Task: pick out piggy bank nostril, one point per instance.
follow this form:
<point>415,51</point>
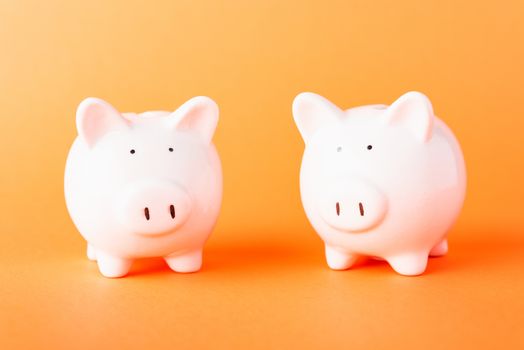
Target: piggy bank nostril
<point>172,210</point>
<point>361,208</point>
<point>146,213</point>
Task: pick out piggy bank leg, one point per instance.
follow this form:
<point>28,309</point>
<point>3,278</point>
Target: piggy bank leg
<point>338,260</point>
<point>186,262</point>
<point>112,266</point>
<point>409,264</point>
<point>440,249</point>
<point>91,253</point>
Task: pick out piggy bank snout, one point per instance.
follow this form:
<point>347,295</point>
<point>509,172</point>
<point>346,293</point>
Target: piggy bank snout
<point>154,208</point>
<point>353,206</point>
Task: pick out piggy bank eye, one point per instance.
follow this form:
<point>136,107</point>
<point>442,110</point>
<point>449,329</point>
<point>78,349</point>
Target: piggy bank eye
<point>132,151</point>
<point>339,149</point>
<point>170,149</point>
<point>369,147</point>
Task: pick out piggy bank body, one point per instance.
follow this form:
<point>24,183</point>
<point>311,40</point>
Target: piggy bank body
<point>379,181</point>
<point>147,185</point>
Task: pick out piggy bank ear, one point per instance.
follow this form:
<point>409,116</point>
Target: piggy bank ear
<point>414,111</point>
<point>95,118</point>
<point>199,115</point>
<point>311,112</point>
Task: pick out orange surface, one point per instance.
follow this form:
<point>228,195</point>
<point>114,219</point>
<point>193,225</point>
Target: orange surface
<point>264,283</point>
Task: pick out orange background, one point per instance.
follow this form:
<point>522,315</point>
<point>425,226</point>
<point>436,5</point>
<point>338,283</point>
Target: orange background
<point>264,283</point>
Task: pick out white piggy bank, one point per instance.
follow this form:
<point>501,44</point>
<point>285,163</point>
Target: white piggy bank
<point>144,185</point>
<point>379,181</point>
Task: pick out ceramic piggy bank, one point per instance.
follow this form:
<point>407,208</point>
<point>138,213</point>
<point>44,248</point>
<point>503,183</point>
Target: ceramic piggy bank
<point>379,181</point>
<point>144,185</point>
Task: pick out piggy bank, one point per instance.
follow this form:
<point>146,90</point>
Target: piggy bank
<point>379,181</point>
<point>144,185</point>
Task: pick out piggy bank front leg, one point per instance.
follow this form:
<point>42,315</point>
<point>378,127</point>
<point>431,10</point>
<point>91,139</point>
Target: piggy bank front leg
<point>440,249</point>
<point>186,262</point>
<point>409,264</point>
<point>338,260</point>
<point>112,266</point>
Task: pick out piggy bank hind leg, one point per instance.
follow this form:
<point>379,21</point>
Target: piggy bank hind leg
<point>91,252</point>
<point>112,266</point>
<point>440,249</point>
<point>410,264</point>
<point>338,260</point>
<point>185,263</point>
